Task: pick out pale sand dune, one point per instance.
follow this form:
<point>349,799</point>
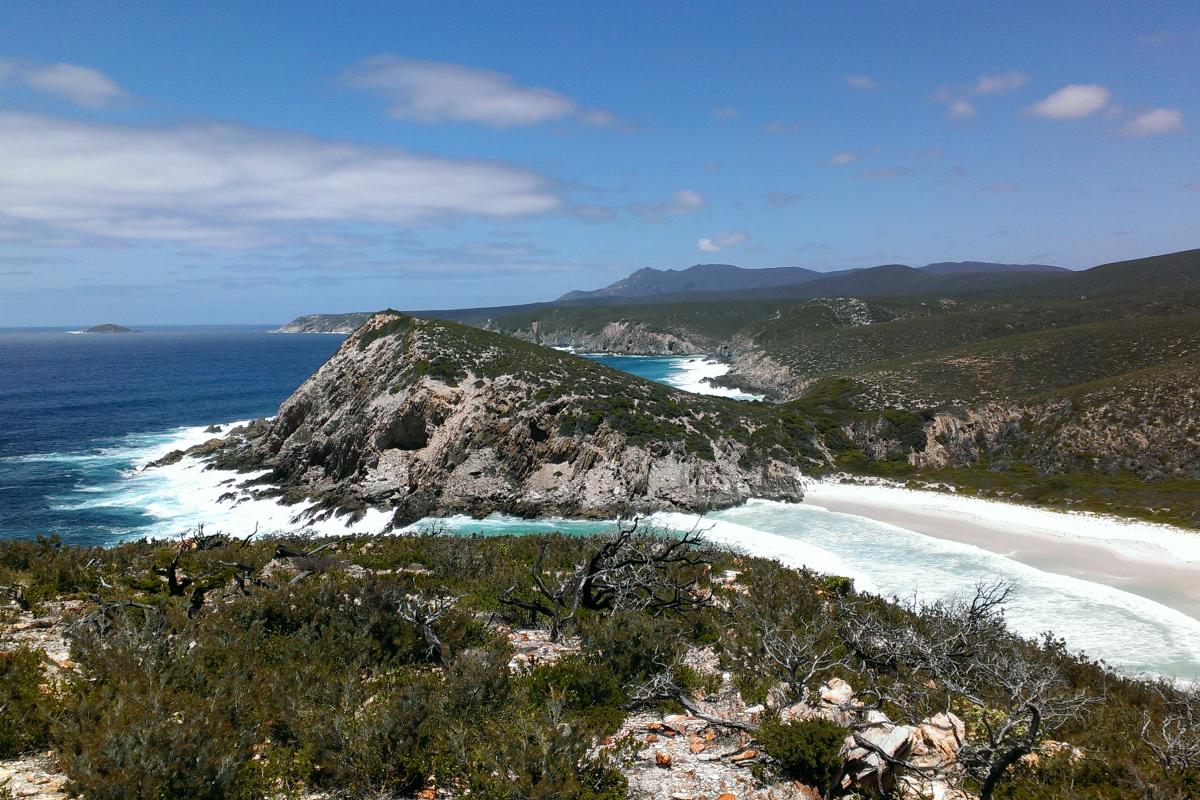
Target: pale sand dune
<point>1158,562</point>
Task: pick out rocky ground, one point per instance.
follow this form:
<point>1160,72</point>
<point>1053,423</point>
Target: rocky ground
<point>36,776</point>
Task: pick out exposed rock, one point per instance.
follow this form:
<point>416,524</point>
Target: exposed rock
<point>619,336</point>
<point>325,323</point>
<point>33,777</point>
<point>429,418</point>
<point>937,739</point>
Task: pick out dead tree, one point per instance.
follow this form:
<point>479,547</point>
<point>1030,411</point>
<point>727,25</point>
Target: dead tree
<point>1021,699</point>
<point>627,571</point>
<point>1173,737</point>
<point>959,652</point>
<point>798,653</point>
<point>663,687</point>
<point>422,612</point>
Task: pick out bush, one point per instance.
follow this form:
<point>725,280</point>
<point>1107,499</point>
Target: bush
<point>585,688</point>
<point>806,750</point>
<point>26,709</point>
<point>539,756</point>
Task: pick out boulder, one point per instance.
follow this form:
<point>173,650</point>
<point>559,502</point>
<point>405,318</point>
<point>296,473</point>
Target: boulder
<point>938,738</point>
<point>836,692</point>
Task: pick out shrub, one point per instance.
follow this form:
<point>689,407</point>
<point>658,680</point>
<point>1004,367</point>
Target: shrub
<point>389,739</point>
<point>26,708</point>
<point>585,688</point>
<point>806,750</point>
<point>539,756</point>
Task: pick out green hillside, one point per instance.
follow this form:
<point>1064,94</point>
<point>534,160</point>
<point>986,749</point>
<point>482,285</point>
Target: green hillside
<point>1074,389</point>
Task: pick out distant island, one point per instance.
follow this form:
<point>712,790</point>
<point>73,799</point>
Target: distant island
<point>108,327</point>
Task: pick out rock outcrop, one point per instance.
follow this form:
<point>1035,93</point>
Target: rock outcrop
<point>325,323</point>
<point>424,417</point>
<point>619,336</point>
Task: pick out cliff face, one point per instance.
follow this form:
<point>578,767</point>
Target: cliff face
<point>1148,427</point>
<point>425,417</point>
<point>620,336</point>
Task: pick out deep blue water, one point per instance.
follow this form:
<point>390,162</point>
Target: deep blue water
<point>77,411</point>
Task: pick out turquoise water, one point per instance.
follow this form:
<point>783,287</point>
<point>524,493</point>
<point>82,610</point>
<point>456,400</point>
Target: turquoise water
<point>83,413</point>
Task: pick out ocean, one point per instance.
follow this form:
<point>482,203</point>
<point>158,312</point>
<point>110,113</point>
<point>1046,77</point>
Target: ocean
<point>82,413</point>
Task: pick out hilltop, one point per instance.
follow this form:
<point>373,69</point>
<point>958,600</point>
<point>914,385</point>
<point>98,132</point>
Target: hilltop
<point>325,323</point>
<point>426,417</point>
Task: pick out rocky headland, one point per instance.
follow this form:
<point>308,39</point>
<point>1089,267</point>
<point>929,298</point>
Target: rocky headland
<point>429,418</point>
<point>325,323</point>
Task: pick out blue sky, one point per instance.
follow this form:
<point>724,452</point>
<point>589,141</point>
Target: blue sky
<point>241,162</point>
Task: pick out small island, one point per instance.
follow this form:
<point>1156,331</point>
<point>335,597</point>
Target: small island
<point>108,327</point>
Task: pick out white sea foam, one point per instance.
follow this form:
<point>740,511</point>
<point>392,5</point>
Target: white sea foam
<point>693,374</point>
<point>184,495</point>
<point>1131,539</point>
<point>785,549</point>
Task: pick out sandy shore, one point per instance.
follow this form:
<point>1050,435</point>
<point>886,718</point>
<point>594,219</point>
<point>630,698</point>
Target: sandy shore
<point>1158,562</point>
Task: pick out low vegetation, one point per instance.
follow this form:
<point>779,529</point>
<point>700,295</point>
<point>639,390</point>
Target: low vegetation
<point>382,666</point>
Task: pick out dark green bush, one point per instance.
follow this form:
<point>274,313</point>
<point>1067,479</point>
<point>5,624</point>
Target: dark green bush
<point>537,755</point>
<point>584,687</point>
<point>806,750</point>
<point>27,704</point>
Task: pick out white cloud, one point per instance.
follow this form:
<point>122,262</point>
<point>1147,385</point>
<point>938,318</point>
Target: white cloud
<point>957,98</point>
<point>229,184</point>
<point>1072,102</point>
<point>999,84</point>
<point>1154,122</point>
<point>435,91</point>
<point>960,109</point>
<point>726,112</point>
<point>82,86</point>
<point>716,244</point>
<point>863,83</point>
<point>684,201</point>
<point>841,159</point>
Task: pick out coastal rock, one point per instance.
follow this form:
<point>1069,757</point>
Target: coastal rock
<point>425,417</point>
<point>325,323</point>
<point>618,336</point>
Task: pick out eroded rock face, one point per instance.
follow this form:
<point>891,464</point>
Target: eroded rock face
<point>619,336</point>
<point>431,418</point>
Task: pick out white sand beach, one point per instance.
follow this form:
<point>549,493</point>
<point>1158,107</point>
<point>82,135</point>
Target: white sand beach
<point>1159,562</point>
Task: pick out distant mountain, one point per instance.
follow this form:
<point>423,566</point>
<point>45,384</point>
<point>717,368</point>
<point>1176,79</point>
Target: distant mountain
<point>965,267</point>
<point>649,282</point>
